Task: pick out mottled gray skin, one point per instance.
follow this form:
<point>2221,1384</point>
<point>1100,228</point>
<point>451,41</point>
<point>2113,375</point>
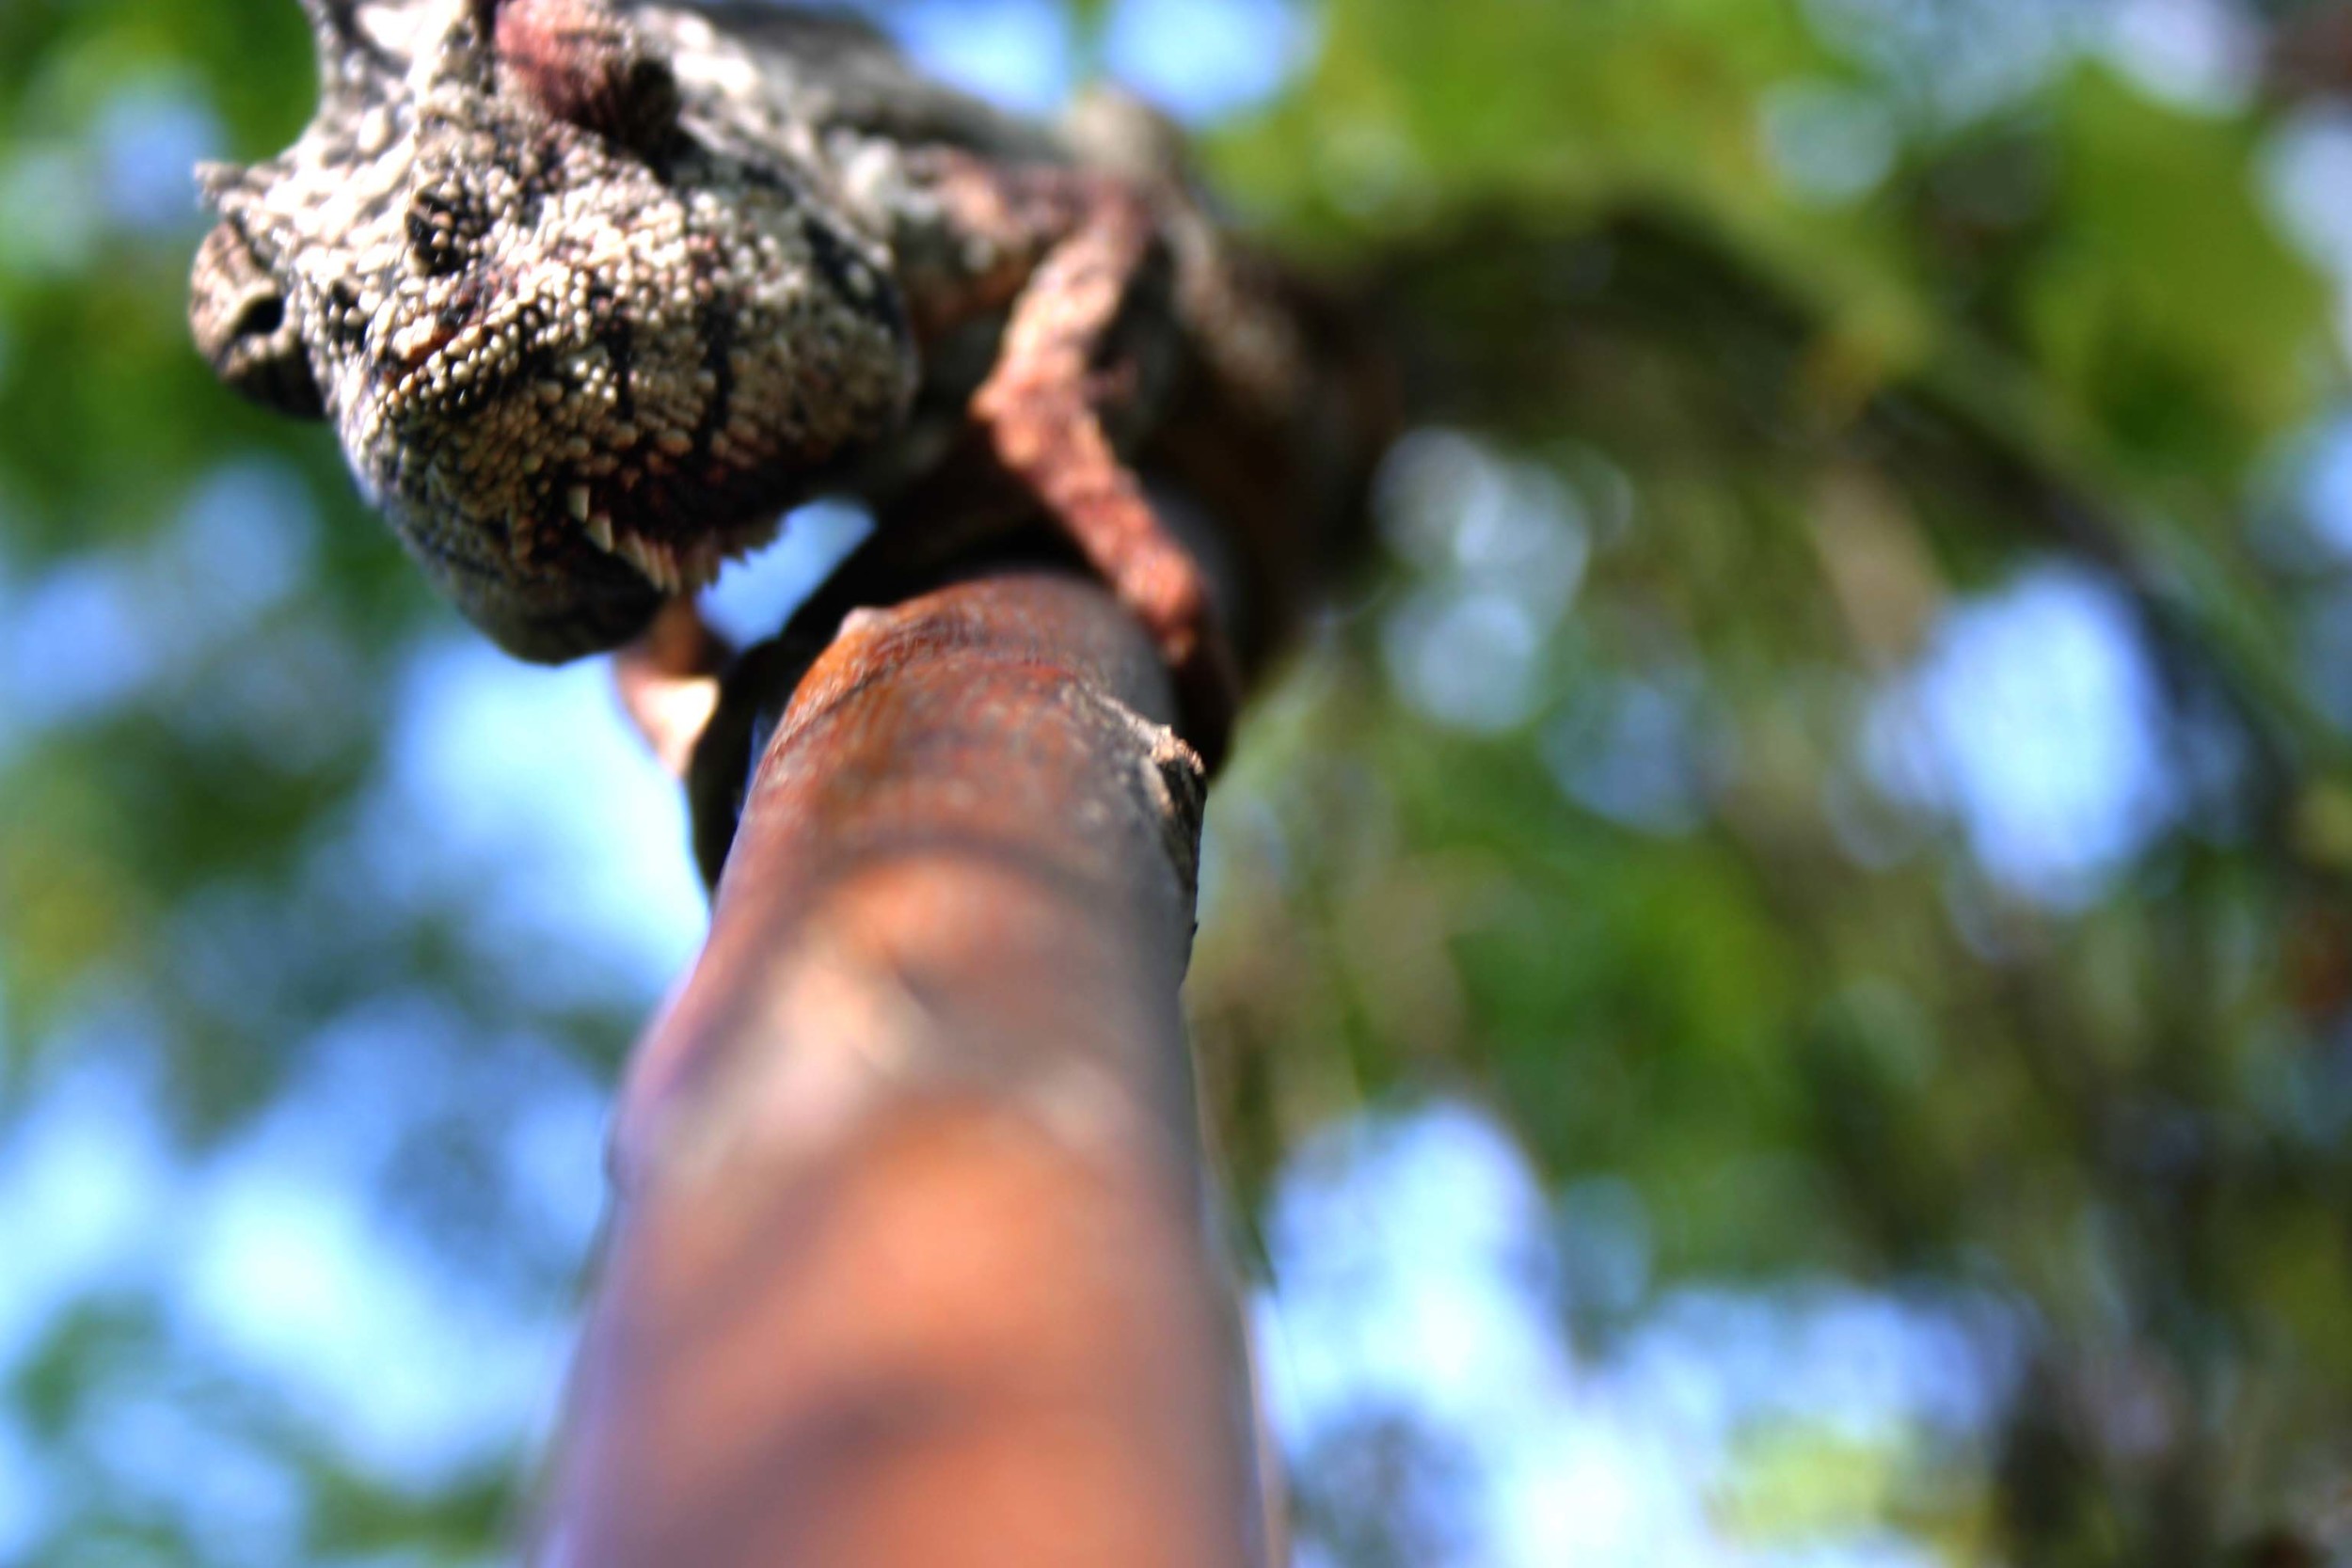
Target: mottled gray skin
<point>585,330</point>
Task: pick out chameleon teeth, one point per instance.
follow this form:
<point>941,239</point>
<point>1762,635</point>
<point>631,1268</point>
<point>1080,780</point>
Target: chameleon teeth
<point>577,500</point>
<point>633,550</point>
<point>657,562</point>
<point>600,527</point>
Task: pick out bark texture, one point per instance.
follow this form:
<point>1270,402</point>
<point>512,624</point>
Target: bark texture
<point>910,1262</point>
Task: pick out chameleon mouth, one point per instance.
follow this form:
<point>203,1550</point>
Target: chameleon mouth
<point>673,562</point>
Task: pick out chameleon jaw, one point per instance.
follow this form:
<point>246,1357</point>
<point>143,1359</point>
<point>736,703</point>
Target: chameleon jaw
<point>673,564</point>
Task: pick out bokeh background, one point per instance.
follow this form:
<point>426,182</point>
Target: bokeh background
<point>1775,975</point>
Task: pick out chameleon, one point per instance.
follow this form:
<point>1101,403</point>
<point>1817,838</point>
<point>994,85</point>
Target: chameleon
<point>594,292</point>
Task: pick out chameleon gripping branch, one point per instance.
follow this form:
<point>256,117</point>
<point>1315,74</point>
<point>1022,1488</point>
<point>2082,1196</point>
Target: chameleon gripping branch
<point>910,1263</point>
<point>592,292</point>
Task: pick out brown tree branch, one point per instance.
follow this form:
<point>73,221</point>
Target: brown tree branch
<point>910,1263</point>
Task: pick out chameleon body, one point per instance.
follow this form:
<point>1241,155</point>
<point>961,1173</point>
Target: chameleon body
<point>592,292</point>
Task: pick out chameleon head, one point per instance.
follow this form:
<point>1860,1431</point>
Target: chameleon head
<point>584,329</point>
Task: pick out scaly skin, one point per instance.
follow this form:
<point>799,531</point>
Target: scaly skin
<point>575,361</point>
<point>593,291</point>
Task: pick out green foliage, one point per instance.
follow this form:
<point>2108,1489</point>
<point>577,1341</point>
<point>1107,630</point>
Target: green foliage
<point>1591,807</point>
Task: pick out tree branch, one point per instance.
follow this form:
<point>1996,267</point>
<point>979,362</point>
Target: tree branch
<point>910,1262</point>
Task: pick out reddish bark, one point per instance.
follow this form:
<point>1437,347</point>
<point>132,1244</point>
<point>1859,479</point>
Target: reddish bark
<point>910,1264</point>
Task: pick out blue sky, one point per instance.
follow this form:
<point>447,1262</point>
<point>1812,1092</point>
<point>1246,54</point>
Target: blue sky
<point>1417,1262</point>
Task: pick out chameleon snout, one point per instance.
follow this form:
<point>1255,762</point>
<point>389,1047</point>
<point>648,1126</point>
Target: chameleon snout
<point>238,316</point>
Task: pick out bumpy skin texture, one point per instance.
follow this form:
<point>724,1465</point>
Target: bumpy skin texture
<point>589,295</point>
<point>593,291</point>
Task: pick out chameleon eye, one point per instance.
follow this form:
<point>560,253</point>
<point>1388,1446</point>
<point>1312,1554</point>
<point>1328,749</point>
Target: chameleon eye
<point>439,231</point>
